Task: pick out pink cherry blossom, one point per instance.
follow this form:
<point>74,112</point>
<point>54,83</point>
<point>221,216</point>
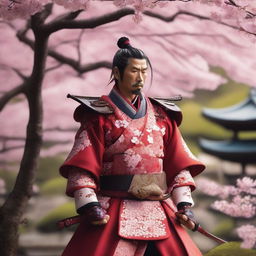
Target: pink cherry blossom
<point>248,234</point>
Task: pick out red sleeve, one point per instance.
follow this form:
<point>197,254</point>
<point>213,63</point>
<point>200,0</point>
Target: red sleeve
<point>88,149</point>
<point>177,156</point>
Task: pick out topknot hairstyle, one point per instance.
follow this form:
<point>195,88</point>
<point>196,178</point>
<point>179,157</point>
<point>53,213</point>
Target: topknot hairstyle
<point>122,56</point>
<point>123,43</point>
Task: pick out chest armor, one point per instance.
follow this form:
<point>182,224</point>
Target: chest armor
<point>139,146</point>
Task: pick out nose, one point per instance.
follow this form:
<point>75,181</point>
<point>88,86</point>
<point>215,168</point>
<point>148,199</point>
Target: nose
<point>139,76</point>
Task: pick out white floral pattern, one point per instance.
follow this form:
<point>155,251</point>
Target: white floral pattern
<point>137,132</point>
<point>79,179</point>
<point>184,178</point>
<point>121,123</point>
<point>150,139</point>
<point>144,219</point>
<point>81,142</point>
<point>132,160</point>
<point>135,140</point>
<point>143,136</point>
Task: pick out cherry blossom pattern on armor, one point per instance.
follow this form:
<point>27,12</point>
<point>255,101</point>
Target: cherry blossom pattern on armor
<point>139,149</point>
<point>78,179</point>
<point>104,201</point>
<point>184,178</point>
<point>82,141</point>
<point>142,220</point>
<point>121,123</point>
<point>130,248</point>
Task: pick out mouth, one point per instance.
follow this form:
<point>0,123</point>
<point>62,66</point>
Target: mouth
<point>138,85</point>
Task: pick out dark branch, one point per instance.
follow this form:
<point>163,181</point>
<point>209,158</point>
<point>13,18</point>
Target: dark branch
<point>53,67</point>
<point>67,16</point>
<point>174,16</point>
<point>90,23</point>
<point>46,12</point>
<point>18,72</point>
<point>10,94</point>
<point>66,60</point>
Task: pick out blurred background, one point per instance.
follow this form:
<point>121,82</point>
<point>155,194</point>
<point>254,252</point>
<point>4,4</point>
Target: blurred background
<point>209,63</point>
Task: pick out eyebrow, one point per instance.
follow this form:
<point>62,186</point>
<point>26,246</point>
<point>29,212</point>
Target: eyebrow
<point>139,68</point>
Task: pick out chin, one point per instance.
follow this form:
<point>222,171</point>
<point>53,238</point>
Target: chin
<point>137,91</point>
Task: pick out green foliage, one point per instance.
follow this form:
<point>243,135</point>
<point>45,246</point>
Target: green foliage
<point>230,249</point>
<point>48,223</point>
<point>195,126</point>
<point>54,186</point>
<point>224,228</point>
<point>49,168</point>
<point>9,177</point>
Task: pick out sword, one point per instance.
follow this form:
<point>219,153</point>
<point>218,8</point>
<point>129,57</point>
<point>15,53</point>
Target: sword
<point>199,229</point>
<point>77,219</point>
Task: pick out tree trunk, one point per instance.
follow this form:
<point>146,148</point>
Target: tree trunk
<point>14,207</point>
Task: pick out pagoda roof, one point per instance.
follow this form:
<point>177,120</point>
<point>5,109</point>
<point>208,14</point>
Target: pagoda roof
<point>241,151</point>
<point>239,117</point>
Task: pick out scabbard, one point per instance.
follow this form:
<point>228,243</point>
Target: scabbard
<point>69,221</point>
<point>211,236</point>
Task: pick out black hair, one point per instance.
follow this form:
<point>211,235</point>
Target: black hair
<point>122,56</point>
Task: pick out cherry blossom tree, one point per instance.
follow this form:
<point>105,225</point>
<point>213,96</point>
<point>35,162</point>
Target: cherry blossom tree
<point>236,201</point>
<point>49,51</point>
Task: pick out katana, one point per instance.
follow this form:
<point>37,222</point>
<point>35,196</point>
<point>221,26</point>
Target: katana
<point>208,234</point>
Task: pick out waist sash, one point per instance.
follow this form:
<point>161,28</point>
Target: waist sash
<point>141,186</point>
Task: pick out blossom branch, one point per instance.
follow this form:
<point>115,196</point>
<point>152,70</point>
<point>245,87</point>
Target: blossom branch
<point>66,60</point>
<point>57,25</point>
<point>174,16</point>
<point>234,4</point>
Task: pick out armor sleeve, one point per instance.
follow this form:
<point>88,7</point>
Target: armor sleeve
<point>177,156</point>
<point>79,179</point>
<point>84,196</point>
<point>182,194</point>
<point>89,145</point>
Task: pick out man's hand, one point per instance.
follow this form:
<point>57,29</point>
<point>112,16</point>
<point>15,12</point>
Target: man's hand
<point>97,215</point>
<point>94,214</point>
<point>186,217</point>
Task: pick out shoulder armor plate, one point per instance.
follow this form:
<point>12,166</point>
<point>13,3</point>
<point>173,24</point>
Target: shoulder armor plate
<point>170,107</point>
<point>93,103</point>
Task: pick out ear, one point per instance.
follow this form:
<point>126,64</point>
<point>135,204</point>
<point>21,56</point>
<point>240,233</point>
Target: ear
<point>116,73</point>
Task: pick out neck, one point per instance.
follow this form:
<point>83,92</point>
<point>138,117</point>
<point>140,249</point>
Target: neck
<point>127,97</point>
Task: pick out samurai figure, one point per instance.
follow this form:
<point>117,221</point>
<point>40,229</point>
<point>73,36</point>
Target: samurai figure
<point>130,171</point>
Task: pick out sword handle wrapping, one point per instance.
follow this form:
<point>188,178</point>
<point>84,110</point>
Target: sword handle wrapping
<point>69,221</point>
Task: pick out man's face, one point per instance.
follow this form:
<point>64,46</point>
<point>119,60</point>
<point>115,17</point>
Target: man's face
<point>133,79</point>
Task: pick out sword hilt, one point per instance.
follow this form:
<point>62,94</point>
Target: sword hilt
<point>69,221</point>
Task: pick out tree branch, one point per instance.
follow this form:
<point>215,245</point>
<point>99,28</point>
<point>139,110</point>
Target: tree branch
<point>12,93</point>
<point>198,16</point>
<point>64,23</point>
<point>67,16</point>
<point>66,60</point>
<point>18,72</point>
